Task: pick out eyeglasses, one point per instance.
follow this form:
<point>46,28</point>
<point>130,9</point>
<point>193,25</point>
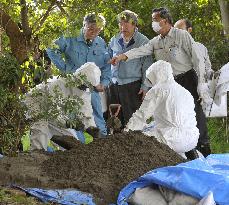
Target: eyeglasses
<point>92,28</point>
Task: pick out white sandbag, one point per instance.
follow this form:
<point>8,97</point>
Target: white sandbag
<point>183,199</point>
<point>147,196</point>
<point>176,198</point>
<point>164,196</point>
<point>207,200</point>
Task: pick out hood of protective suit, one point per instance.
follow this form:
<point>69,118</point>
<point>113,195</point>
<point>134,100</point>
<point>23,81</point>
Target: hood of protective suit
<point>92,72</point>
<point>159,72</point>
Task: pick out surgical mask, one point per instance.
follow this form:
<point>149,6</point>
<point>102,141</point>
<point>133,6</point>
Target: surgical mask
<point>156,27</point>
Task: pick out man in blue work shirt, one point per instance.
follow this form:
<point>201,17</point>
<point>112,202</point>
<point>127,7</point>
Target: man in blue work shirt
<point>128,87</point>
<point>87,47</point>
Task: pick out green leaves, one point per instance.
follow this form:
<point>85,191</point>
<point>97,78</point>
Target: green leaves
<point>10,71</point>
<point>54,106</point>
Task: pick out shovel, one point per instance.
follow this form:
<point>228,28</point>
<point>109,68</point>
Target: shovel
<point>113,122</point>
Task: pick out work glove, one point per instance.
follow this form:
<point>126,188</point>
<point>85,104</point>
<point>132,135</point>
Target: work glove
<point>209,74</point>
<point>126,129</point>
<point>204,93</point>
<point>216,74</point>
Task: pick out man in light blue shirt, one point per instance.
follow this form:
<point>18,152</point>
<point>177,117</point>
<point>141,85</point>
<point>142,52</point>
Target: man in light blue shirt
<point>87,47</point>
<point>128,88</point>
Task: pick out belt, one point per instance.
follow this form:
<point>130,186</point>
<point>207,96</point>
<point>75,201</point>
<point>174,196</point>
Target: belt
<point>179,75</point>
<point>182,74</point>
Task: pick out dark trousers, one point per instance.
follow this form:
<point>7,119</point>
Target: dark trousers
<point>127,96</point>
<point>189,81</point>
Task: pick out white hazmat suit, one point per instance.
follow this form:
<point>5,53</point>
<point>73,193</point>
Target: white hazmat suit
<point>218,87</point>
<point>172,108</point>
<point>42,130</point>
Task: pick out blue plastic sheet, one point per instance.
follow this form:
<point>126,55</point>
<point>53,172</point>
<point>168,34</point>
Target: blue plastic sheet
<point>65,197</point>
<point>195,178</point>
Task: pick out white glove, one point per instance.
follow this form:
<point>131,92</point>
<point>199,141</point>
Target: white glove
<point>204,93</point>
<point>126,129</point>
<point>210,74</point>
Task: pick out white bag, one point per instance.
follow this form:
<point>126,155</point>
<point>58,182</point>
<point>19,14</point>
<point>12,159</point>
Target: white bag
<point>207,200</point>
<point>147,196</point>
<point>164,196</point>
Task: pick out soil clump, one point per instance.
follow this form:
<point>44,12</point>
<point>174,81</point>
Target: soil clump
<point>101,168</point>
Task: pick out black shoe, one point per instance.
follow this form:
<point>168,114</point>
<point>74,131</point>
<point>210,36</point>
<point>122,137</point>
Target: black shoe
<point>204,149</point>
<point>192,154</point>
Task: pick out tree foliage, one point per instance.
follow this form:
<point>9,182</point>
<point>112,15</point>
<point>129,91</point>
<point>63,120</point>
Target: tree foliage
<point>50,19</point>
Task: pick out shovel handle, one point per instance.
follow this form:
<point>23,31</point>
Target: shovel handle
<point>114,106</point>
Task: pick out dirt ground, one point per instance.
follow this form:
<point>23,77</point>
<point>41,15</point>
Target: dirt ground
<point>101,168</point>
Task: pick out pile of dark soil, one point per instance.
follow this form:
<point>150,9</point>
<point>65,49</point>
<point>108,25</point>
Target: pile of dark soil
<point>101,168</point>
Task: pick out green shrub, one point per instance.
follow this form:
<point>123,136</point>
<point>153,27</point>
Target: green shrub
<point>12,118</point>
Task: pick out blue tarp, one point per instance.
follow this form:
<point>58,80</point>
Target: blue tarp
<point>65,197</point>
<point>195,178</point>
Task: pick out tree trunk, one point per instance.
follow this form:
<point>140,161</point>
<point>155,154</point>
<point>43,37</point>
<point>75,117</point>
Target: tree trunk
<point>1,31</point>
<point>18,41</point>
<point>224,8</point>
<point>24,20</point>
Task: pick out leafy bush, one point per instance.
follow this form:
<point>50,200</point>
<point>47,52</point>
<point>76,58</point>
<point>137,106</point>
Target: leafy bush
<point>54,106</point>
<point>12,118</point>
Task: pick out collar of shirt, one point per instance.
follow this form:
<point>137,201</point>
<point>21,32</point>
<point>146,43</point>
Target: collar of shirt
<point>129,43</point>
<point>169,34</point>
<point>81,38</point>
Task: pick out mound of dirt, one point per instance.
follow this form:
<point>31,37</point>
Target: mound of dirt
<point>101,168</point>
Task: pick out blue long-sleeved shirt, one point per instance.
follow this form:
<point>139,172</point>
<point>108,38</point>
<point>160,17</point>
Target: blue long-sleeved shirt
<point>73,52</point>
<point>133,70</point>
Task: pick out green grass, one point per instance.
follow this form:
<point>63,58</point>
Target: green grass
<point>14,197</point>
<point>219,134</point>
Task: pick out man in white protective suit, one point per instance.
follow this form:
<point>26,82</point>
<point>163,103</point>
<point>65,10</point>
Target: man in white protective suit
<point>172,108</point>
<point>42,131</point>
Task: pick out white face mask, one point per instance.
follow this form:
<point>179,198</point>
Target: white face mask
<point>156,27</point>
